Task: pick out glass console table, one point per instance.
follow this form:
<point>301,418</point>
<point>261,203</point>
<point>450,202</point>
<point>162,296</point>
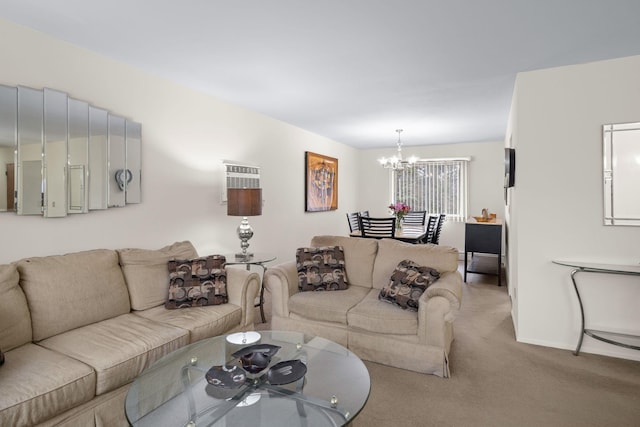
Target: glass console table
<point>622,340</point>
<point>175,390</point>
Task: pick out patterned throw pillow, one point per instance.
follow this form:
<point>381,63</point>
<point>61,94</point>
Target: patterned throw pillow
<point>321,269</point>
<point>408,282</point>
<point>197,282</point>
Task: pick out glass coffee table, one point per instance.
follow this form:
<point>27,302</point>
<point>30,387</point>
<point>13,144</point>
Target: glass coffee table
<point>308,381</point>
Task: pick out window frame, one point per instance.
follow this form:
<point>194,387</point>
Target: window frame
<point>462,187</point>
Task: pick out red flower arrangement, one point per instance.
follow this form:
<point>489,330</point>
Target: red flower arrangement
<point>399,210</point>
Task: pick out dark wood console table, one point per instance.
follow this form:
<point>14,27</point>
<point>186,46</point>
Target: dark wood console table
<point>483,237</point>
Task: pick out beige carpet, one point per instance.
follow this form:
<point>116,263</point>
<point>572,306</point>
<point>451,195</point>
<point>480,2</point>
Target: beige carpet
<point>499,382</point>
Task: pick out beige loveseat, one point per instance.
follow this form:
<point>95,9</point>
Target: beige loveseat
<point>375,330</point>
<point>77,329</point>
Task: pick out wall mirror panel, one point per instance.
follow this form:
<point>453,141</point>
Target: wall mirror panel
<point>29,178</point>
<point>98,158</point>
<point>8,137</point>
<point>117,162</point>
<point>55,153</point>
<point>64,156</point>
<point>133,143</point>
<point>78,146</point>
<point>620,174</point>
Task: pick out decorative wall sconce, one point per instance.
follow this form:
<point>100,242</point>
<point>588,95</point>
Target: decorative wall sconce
<point>123,178</point>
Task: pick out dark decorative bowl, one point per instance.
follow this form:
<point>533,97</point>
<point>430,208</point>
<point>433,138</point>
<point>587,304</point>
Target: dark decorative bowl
<point>256,358</point>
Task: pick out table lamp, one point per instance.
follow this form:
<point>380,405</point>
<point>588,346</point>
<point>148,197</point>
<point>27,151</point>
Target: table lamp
<point>244,202</point>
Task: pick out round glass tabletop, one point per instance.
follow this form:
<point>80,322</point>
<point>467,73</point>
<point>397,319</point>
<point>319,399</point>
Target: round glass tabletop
<point>275,378</point>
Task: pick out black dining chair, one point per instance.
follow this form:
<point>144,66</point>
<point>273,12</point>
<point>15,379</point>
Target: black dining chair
<point>354,223</point>
<point>432,223</point>
<point>377,228</point>
<point>436,233</point>
<point>414,218</point>
<point>364,213</point>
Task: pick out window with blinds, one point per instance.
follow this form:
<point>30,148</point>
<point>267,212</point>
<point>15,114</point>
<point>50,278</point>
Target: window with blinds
<point>435,186</point>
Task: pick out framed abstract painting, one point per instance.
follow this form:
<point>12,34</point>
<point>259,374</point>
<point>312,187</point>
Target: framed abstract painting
<point>321,182</point>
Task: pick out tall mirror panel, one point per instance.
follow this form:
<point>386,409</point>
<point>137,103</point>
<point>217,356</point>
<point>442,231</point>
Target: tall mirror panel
<point>29,180</point>
<point>98,158</point>
<point>55,153</point>
<point>118,176</point>
<point>78,156</point>
<point>133,167</point>
<point>8,136</point>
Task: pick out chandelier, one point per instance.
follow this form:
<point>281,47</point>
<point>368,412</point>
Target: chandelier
<point>397,162</point>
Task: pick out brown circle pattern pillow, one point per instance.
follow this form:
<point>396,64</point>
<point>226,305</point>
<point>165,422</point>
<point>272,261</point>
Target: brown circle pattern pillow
<point>408,282</point>
<point>197,282</point>
<point>321,269</point>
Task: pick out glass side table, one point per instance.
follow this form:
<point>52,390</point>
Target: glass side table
<point>259,259</point>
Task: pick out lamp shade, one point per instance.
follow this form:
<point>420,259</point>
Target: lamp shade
<point>244,201</point>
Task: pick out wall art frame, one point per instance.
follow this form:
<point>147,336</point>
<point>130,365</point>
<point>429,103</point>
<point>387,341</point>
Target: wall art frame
<point>321,182</point>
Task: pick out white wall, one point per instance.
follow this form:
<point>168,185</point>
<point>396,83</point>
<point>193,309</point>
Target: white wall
<point>486,181</point>
<point>557,204</point>
<point>186,135</point>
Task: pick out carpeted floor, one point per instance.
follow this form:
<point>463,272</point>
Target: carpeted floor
<point>497,381</point>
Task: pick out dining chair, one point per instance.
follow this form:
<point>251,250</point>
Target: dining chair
<point>415,218</point>
<point>377,228</point>
<point>364,213</point>
<point>432,223</point>
<point>436,233</point>
<point>354,223</point>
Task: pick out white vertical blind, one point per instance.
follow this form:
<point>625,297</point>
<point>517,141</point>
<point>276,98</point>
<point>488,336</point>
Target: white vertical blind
<point>435,186</point>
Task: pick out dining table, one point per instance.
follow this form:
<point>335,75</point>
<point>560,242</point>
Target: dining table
<point>408,233</point>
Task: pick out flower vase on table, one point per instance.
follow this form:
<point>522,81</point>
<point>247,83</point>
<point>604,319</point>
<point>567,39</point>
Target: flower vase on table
<point>399,210</point>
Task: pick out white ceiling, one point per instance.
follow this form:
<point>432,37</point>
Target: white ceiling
<point>351,70</point>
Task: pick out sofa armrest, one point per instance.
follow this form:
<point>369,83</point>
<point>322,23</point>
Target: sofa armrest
<point>243,287</point>
<point>438,307</point>
<point>281,282</point>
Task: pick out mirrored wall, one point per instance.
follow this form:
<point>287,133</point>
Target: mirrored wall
<point>63,156</point>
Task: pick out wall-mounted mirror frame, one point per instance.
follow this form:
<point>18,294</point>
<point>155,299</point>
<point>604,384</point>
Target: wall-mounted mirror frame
<point>56,151</point>
<point>621,157</point>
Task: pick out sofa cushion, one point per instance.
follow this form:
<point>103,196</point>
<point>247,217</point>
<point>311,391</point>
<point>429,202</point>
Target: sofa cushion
<point>69,291</point>
<point>197,282</point>
<point>321,269</point>
<point>38,383</point>
<point>327,306</point>
<point>120,348</point>
<point>391,252</point>
<point>145,272</point>
<point>380,317</point>
<point>359,256</point>
<point>201,322</point>
<point>407,283</point>
<point>15,320</point>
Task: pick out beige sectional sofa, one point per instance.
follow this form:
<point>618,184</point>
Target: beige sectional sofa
<point>373,329</point>
<point>77,329</point>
